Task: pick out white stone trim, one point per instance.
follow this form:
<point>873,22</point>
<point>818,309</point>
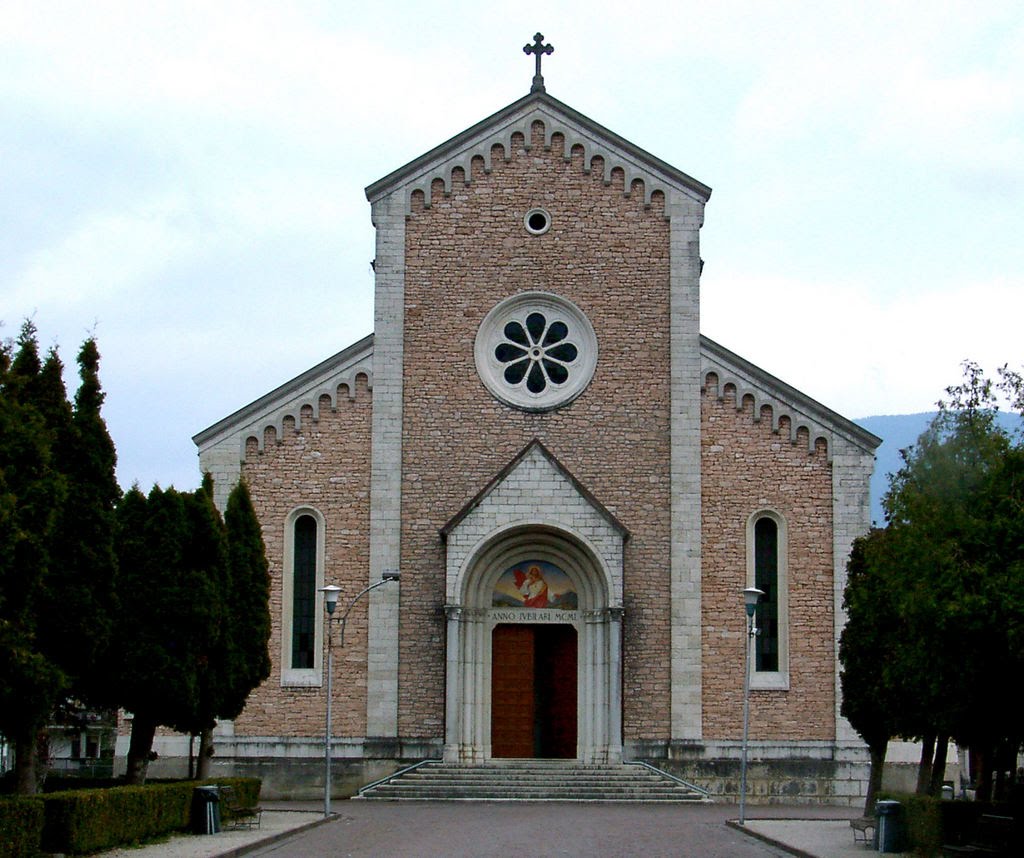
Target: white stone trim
<point>565,528</point>
<point>386,468</point>
<point>686,217</point>
<point>528,217</point>
<point>516,309</point>
<point>554,503</point>
<point>851,517</point>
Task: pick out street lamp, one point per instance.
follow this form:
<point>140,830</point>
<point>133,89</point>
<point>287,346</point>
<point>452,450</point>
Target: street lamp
<point>751,595</point>
<point>331,593</point>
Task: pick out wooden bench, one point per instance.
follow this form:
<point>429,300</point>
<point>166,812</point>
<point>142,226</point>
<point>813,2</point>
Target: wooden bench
<point>235,815</point>
<point>993,836</point>
<point>861,828</point>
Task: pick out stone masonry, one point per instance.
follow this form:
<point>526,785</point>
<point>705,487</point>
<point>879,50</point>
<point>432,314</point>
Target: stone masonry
<point>607,253</point>
<point>648,481</point>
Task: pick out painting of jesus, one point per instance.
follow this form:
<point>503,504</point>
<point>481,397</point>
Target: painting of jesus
<point>535,584</point>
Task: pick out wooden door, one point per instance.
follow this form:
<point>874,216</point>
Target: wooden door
<point>555,691</point>
<point>512,697</point>
<point>533,691</point>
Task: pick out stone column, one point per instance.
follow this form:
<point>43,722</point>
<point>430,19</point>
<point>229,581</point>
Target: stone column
<point>453,684</point>
<point>615,685</point>
<point>386,467</point>
<point>687,216</point>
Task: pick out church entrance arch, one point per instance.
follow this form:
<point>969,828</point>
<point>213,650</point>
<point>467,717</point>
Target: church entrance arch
<point>533,653</point>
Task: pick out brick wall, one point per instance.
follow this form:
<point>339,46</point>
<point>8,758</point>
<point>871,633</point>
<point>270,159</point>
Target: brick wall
<point>609,255</point>
<point>326,465</point>
<point>746,468</point>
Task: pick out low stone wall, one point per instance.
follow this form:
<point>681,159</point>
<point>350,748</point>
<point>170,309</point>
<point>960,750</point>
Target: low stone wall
<point>777,773</point>
<point>293,769</point>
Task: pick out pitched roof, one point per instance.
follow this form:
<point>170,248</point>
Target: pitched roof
<point>786,401</point>
<point>305,389</point>
<point>559,118</point>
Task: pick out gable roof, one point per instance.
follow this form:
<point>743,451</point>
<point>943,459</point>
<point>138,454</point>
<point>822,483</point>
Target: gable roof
<point>785,401</point>
<point>500,477</point>
<point>287,399</point>
<point>558,118</point>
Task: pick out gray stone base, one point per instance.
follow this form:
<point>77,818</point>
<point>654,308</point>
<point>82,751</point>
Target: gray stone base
<point>777,772</point>
<point>294,769</point>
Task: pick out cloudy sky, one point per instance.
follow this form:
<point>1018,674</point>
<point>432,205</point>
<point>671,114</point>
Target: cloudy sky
<point>186,180</point>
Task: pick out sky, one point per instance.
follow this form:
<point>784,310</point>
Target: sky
<point>185,181</point>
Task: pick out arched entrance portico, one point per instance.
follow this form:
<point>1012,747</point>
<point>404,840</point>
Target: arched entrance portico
<point>532,614</point>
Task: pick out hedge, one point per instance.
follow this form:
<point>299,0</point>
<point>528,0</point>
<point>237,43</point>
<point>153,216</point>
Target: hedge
<point>81,821</point>
<point>923,818</point>
<point>21,827</point>
<point>931,822</point>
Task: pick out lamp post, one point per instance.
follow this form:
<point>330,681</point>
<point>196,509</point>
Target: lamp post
<point>751,595</point>
<point>331,593</point>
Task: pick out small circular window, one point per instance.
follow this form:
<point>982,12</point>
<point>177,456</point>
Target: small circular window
<point>537,221</point>
<point>536,351</point>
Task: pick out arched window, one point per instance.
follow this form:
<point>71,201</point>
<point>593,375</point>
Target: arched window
<point>304,593</point>
<point>766,570</point>
<point>766,579</point>
<point>301,623</point>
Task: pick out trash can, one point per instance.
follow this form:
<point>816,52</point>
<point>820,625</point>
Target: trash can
<point>206,809</point>
<point>889,831</point>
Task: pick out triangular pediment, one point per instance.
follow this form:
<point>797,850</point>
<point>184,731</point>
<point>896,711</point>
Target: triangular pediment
<point>557,119</point>
<point>554,494</point>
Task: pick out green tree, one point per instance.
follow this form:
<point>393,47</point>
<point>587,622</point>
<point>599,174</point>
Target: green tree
<point>232,611</point>
<point>152,670</point>
<point>188,652</point>
<point>76,627</point>
<point>867,647</point>
<point>249,603</point>
<point>205,556</point>
<point>954,511</point>
<point>31,492</point>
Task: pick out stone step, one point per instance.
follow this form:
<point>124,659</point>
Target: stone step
<point>529,780</point>
<point>480,789</point>
<point>538,783</point>
<point>540,795</point>
<point>574,782</point>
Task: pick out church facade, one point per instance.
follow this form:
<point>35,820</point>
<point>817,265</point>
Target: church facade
<point>574,484</point>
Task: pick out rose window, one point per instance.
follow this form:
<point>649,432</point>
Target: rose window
<point>536,351</point>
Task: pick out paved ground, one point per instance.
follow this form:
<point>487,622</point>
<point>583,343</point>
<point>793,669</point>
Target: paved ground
<point>455,829</point>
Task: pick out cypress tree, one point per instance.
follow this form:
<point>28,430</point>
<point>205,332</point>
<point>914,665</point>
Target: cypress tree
<point>173,630</point>
<point>206,568</point>
<point>76,627</point>
<point>249,605</point>
<point>155,678</point>
<point>31,492</point>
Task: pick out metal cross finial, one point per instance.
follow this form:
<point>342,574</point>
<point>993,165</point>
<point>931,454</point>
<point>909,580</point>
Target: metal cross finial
<point>538,48</point>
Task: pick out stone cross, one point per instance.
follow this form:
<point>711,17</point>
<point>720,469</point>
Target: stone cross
<point>538,48</point>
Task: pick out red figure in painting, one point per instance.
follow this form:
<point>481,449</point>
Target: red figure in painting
<point>533,587</point>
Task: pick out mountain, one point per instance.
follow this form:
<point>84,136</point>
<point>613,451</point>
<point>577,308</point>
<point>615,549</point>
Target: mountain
<point>899,431</point>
